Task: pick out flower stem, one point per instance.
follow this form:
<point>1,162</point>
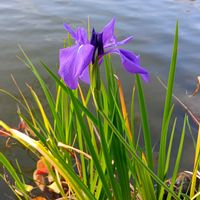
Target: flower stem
<point>96,85</point>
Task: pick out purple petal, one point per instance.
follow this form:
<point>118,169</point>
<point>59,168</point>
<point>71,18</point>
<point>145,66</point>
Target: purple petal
<point>145,77</point>
<point>67,70</point>
<point>108,32</point>
<point>83,58</point>
<point>131,62</point>
<point>85,76</point>
<point>73,62</point>
<point>115,44</point>
<point>71,32</point>
<point>125,41</point>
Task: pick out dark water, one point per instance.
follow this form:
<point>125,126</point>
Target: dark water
<point>38,27</point>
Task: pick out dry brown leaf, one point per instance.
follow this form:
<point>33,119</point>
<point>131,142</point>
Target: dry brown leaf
<point>54,188</point>
<point>197,86</point>
<point>22,126</point>
<point>39,180</point>
<point>39,198</point>
<point>4,133</point>
<point>41,167</point>
<point>50,178</point>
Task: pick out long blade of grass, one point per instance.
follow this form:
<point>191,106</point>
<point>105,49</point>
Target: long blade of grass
<point>77,105</point>
<point>170,147</point>
<point>20,185</point>
<point>133,113</point>
<point>44,87</point>
<point>196,164</point>
<point>145,123</point>
<point>178,158</point>
<point>74,99</point>
<point>124,110</point>
<point>169,153</point>
<point>24,99</point>
<point>14,98</point>
<point>168,100</point>
<point>116,190</point>
<point>136,157</point>
<point>92,151</point>
<point>41,109</point>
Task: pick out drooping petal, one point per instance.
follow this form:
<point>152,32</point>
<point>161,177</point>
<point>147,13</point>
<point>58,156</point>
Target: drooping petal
<point>145,77</point>
<point>83,58</point>
<point>85,76</point>
<point>71,32</point>
<point>108,33</point>
<point>131,62</point>
<point>67,68</point>
<point>73,62</point>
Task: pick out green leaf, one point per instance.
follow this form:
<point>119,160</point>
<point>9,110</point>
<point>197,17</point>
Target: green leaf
<point>145,123</point>
<point>168,100</point>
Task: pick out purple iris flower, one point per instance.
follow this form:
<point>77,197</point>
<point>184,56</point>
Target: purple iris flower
<point>75,60</point>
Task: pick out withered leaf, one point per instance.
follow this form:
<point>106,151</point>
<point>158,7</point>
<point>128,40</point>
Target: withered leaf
<point>54,188</point>
<point>41,167</point>
<point>4,133</point>
<point>39,180</point>
<point>197,86</point>
<point>39,198</point>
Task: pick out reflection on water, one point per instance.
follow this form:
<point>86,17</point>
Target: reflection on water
<point>38,27</point>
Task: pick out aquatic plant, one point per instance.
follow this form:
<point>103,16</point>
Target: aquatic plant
<point>75,60</point>
<point>84,154</point>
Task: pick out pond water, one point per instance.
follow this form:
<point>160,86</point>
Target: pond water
<point>38,27</point>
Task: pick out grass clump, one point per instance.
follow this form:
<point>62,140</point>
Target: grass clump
<point>84,154</point>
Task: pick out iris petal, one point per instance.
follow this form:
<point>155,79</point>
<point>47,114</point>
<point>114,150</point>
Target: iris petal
<point>131,62</point>
<point>73,62</point>
<point>83,58</point>
<point>85,76</point>
<point>108,33</point>
<point>67,70</point>
<point>125,41</point>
